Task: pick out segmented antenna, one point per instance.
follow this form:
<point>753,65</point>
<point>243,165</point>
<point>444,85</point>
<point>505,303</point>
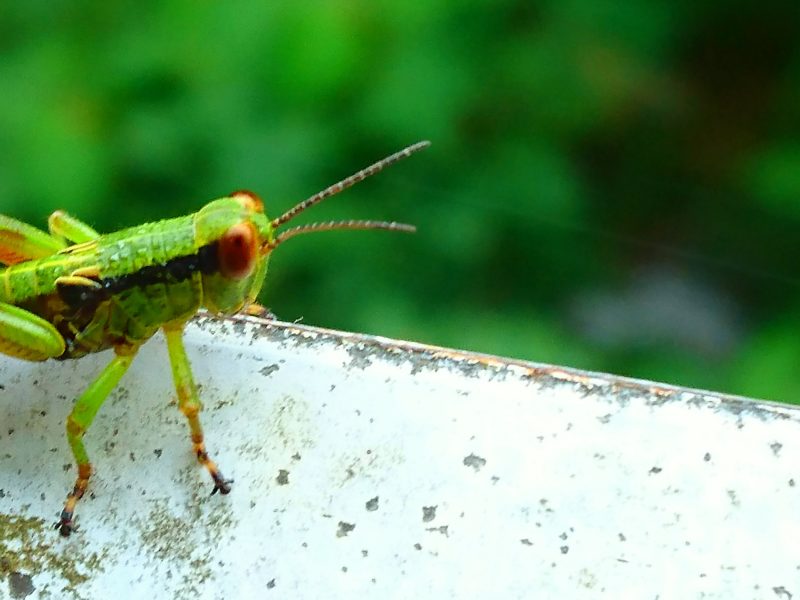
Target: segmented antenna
<point>343,185</point>
<point>329,225</point>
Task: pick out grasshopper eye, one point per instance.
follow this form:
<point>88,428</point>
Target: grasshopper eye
<point>248,200</point>
<point>238,251</point>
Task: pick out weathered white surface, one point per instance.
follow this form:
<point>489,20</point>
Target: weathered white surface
<point>365,467</point>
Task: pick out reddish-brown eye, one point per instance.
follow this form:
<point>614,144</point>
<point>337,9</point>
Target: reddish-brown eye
<point>238,251</point>
<point>249,200</point>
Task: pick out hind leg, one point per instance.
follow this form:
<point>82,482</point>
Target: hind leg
<point>27,336</point>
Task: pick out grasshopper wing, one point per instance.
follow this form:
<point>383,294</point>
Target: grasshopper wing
<point>20,242</point>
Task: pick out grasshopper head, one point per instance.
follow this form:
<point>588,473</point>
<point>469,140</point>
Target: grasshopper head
<point>243,237</point>
<point>237,234</point>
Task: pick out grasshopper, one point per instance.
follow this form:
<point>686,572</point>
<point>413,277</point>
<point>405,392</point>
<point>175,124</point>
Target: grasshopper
<point>74,291</point>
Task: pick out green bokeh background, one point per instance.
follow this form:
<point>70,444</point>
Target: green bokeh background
<point>611,186</point>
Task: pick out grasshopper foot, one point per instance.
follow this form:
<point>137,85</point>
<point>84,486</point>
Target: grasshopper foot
<point>257,310</point>
<point>65,525</point>
<point>221,485</point>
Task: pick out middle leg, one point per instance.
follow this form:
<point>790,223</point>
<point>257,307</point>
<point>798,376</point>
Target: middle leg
<point>78,423</point>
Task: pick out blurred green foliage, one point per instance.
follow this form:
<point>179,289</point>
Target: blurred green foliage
<point>612,185</point>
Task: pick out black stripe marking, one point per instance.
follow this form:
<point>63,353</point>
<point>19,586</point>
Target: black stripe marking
<point>179,269</point>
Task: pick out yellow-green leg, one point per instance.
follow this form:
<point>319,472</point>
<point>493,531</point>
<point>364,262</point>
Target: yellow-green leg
<point>67,228</point>
<point>27,336</point>
<point>79,421</point>
<point>189,403</point>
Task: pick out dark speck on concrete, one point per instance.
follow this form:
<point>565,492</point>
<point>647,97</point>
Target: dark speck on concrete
<point>428,513</point>
<point>474,461</point>
<point>269,369</point>
<point>372,504</point>
<point>776,447</point>
<point>791,483</point>
<point>707,456</point>
<point>271,584</point>
<point>655,470</point>
<point>360,356</point>
<point>283,477</point>
<point>418,546</point>
<point>441,529</point>
<point>344,528</point>
<point>782,592</point>
<point>20,585</point>
<point>158,452</point>
<point>526,542</point>
<point>564,549</point>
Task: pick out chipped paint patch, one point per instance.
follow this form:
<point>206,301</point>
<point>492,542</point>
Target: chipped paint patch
<point>269,369</point>
<point>344,529</point>
<point>29,551</point>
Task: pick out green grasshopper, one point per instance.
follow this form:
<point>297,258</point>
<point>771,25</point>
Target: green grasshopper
<point>74,292</point>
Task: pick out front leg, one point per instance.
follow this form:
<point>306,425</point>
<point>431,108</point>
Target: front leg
<point>257,310</point>
<point>189,403</point>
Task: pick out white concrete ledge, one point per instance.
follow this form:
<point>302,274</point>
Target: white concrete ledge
<point>367,467</point>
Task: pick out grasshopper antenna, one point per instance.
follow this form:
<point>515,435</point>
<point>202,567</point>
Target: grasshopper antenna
<point>330,225</point>
<point>340,187</point>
